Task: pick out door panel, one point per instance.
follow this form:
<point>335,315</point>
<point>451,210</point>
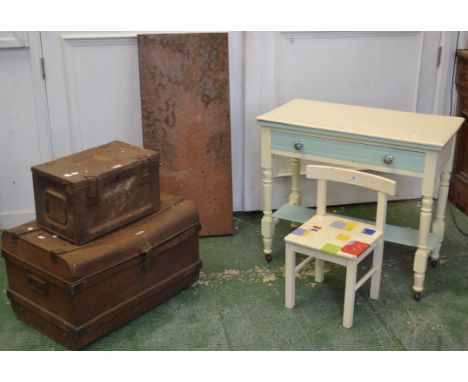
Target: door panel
<point>372,69</point>
<point>24,139</point>
<point>93,89</point>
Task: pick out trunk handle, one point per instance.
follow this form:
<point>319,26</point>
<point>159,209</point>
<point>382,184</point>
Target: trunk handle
<point>37,284</point>
<point>146,253</point>
<point>93,189</point>
<point>145,171</point>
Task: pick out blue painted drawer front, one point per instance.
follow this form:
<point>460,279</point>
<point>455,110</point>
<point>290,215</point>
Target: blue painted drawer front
<point>349,151</point>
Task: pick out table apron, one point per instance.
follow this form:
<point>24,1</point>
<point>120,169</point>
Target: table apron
<point>407,162</point>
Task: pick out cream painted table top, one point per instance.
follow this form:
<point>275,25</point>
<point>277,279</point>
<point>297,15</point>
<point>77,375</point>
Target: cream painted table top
<point>386,124</point>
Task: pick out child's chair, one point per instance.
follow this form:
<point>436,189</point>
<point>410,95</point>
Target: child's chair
<point>347,242</point>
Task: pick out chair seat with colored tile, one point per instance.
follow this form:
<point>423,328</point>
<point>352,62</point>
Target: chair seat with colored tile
<point>347,242</point>
<point>342,237</point>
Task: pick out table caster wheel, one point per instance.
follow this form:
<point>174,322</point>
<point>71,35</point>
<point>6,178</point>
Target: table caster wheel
<point>268,258</point>
<point>434,263</point>
<point>417,296</point>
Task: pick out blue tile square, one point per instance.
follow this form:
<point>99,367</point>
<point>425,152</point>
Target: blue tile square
<point>338,224</point>
<point>299,231</point>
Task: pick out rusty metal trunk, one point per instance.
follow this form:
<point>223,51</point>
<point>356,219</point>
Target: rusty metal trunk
<point>87,194</point>
<point>76,294</point>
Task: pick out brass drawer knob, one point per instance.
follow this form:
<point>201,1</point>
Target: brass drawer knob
<point>388,159</point>
<point>298,145</point>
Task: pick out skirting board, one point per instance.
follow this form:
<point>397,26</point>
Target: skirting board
<point>10,219</point>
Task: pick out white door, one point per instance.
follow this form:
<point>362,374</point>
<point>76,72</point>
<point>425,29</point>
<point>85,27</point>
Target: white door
<point>396,70</point>
<point>24,137</point>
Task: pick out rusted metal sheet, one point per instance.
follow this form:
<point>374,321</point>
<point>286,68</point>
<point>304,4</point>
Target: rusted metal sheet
<point>87,194</point>
<point>184,81</point>
<point>76,294</point>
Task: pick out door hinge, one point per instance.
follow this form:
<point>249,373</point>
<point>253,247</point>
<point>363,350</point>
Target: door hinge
<point>439,56</point>
<point>43,68</point>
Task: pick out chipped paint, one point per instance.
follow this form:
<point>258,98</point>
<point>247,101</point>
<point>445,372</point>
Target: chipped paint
<point>258,274</point>
<point>70,174</point>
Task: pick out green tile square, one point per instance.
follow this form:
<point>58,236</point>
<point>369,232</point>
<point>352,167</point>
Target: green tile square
<point>331,248</point>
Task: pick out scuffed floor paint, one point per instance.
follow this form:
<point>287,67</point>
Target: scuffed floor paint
<point>259,274</point>
<point>238,303</point>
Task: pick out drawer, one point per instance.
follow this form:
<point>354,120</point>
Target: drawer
<point>384,157</point>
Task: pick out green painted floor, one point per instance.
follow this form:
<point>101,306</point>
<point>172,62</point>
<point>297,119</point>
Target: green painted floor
<point>238,302</point>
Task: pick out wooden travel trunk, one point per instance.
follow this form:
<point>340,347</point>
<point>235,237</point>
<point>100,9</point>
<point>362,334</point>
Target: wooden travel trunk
<point>462,81</point>
<point>76,294</point>
<point>87,194</point>
<point>459,186</point>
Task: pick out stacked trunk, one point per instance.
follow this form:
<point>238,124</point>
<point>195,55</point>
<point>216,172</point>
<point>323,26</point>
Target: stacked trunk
<point>106,246</point>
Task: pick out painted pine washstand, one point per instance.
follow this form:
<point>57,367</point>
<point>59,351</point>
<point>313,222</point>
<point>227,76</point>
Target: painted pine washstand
<point>389,141</point>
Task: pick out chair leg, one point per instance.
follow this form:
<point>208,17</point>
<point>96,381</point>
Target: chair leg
<point>348,311</point>
<point>319,270</point>
<point>377,263</point>
<point>290,276</point>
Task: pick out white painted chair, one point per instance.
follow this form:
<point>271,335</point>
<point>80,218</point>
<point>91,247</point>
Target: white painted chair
<point>343,241</point>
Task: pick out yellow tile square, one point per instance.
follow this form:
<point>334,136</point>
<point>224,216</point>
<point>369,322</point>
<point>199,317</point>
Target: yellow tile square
<point>349,226</point>
<point>342,237</point>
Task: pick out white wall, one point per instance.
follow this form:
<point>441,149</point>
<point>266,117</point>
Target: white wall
<point>93,95</point>
<point>24,137</point>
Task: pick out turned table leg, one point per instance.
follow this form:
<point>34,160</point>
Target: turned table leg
<point>295,195</point>
<point>438,226</point>
<point>422,253</point>
<point>268,222</point>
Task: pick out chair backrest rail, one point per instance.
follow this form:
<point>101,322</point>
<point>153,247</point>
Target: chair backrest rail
<point>383,186</point>
<point>353,177</point>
